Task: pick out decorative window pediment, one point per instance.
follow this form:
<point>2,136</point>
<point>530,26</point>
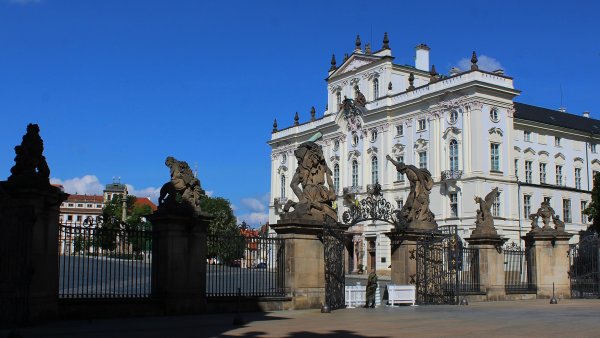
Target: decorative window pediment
<point>578,159</point>
<point>334,158</point>
<point>517,149</point>
<point>496,134</point>
<point>543,153</point>
<point>372,150</point>
<point>353,155</point>
<point>560,155</point>
<point>282,169</point>
<point>529,151</point>
<point>398,149</point>
<point>421,145</point>
<point>559,158</point>
<point>451,131</point>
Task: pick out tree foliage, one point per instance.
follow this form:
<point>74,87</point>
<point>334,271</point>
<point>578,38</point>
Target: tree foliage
<point>225,242</point>
<point>593,209</point>
<point>135,223</point>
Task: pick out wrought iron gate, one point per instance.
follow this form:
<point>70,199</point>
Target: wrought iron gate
<point>333,244</point>
<point>438,260</point>
<point>585,267</point>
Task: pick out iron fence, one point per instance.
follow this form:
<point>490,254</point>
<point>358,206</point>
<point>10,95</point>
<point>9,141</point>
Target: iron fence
<point>108,259</point>
<point>254,266</point>
<point>469,271</point>
<point>519,270</point>
<point>584,272</point>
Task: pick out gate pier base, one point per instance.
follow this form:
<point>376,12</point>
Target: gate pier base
<point>304,262</point>
<point>551,249</point>
<point>491,266</point>
<point>179,263</point>
<point>404,251</point>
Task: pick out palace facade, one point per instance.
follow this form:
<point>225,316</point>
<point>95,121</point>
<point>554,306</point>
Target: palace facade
<point>464,127</point>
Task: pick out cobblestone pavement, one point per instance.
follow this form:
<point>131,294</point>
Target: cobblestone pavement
<point>570,318</point>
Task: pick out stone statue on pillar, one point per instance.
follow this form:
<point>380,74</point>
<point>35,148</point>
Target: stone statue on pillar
<point>415,212</point>
<point>484,223</point>
<point>547,214</point>
<point>315,199</point>
<point>30,167</point>
<point>181,195</point>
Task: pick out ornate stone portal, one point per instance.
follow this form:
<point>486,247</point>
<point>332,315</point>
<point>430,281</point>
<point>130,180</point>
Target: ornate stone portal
<point>181,195</point>
<point>484,224</point>
<point>315,200</point>
<point>415,213</point>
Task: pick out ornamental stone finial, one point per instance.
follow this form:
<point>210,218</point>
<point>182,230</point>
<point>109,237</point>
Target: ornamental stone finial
<point>346,57</point>
<point>411,81</point>
<point>474,61</point>
<point>390,85</point>
<point>312,113</point>
<point>275,126</point>
<point>386,41</point>
<point>296,119</point>
<point>30,166</point>
<point>433,74</point>
<point>357,43</point>
<point>333,63</point>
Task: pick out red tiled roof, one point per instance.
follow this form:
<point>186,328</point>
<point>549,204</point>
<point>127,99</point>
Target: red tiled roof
<point>85,198</point>
<point>249,232</point>
<point>145,201</point>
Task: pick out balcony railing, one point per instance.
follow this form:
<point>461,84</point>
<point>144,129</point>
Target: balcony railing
<point>449,175</point>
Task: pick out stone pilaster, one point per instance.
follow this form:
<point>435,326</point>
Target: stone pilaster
<point>551,249</point>
<point>179,262</point>
<point>491,265</point>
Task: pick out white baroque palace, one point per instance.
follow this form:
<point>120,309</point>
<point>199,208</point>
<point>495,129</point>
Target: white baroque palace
<point>464,128</point>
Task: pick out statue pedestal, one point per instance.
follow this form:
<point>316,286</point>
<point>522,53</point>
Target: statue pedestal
<point>29,222</point>
<point>304,262</point>
<point>491,265</point>
<point>404,260</point>
<point>179,262</point>
<point>551,249</point>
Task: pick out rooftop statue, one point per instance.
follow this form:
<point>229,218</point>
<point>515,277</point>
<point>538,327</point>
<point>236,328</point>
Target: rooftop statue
<point>484,224</point>
<point>415,212</point>
<point>30,164</point>
<point>181,195</point>
<point>547,214</point>
<point>315,200</point>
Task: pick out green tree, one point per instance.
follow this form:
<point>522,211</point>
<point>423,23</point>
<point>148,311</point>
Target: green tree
<point>593,209</point>
<point>226,242</point>
<point>135,225</point>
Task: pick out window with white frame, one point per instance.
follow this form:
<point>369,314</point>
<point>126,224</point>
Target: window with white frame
<point>336,178</point>
<point>578,178</point>
<point>373,135</point>
<point>496,206</point>
<point>422,125</point>
<point>526,206</point>
<point>557,141</point>
<point>374,170</point>
<point>584,217</point>
<point>399,130</point>
<point>453,204</point>
<point>399,175</point>
<point>528,171</point>
<point>495,156</point>
<point>542,173</point>
<point>282,192</point>
<point>494,114</point>
<point>354,173</point>
<point>593,147</point>
<point>453,147</point>
<point>517,168</point>
<point>423,160</point>
<point>375,89</point>
<point>527,136</point>
<point>559,175</point>
<point>453,117</point>
<point>567,210</point>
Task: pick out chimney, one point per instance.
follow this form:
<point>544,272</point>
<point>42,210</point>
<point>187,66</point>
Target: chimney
<point>422,57</point>
<point>586,114</point>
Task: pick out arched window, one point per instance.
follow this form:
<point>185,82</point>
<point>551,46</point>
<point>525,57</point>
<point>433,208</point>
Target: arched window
<point>374,170</point>
<point>354,173</point>
<point>336,178</point>
<point>453,155</point>
<point>282,186</point>
<point>375,89</point>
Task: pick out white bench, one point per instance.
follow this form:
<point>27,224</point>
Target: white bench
<point>356,296</point>
<point>401,294</point>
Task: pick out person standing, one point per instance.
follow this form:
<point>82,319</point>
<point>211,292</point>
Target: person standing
<point>371,289</point>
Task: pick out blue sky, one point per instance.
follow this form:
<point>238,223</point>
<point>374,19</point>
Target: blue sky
<point>116,86</point>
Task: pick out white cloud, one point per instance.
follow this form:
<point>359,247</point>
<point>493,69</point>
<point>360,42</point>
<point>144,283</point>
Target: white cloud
<point>151,192</point>
<point>254,219</point>
<point>484,62</point>
<point>209,193</point>
<point>86,185</point>
<point>253,204</point>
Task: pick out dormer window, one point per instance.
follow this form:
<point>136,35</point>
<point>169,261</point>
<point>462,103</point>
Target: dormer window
<point>557,141</point>
<point>375,89</point>
<point>527,136</point>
